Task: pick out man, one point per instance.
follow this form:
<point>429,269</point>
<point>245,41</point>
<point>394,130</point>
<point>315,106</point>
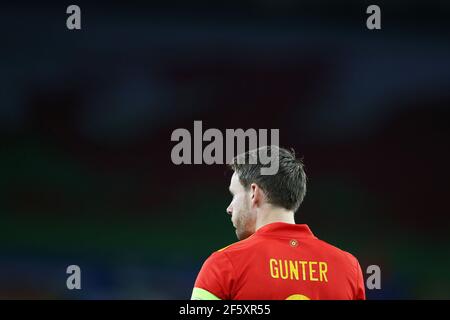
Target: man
<point>275,258</point>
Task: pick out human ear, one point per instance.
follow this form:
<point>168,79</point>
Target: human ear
<point>255,194</point>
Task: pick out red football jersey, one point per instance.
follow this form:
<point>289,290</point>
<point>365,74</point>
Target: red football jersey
<point>280,261</point>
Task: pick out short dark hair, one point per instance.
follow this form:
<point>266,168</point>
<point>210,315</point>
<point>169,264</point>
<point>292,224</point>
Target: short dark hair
<point>286,188</point>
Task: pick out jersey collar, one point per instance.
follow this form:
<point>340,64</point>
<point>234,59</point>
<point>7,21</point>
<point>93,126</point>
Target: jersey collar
<point>284,229</point>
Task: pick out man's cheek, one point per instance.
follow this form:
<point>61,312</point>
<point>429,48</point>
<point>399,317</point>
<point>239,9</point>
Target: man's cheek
<point>234,219</point>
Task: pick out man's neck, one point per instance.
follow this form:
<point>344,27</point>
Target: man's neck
<point>270,215</point>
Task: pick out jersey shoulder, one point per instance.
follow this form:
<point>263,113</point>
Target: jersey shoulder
<point>338,253</point>
<point>239,245</point>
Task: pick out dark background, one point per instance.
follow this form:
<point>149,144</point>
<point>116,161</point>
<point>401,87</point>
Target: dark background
<point>86,117</point>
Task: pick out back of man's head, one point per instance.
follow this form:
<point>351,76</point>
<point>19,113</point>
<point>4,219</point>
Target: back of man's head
<point>286,188</point>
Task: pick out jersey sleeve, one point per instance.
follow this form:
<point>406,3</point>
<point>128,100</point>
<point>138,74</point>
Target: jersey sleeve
<point>360,293</point>
<point>215,279</point>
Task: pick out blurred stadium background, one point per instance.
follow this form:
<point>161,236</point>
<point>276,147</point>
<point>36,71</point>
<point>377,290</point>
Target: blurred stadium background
<point>86,118</point>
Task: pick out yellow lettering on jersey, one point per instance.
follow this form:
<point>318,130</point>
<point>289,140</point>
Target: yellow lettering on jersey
<point>285,269</point>
<point>273,268</point>
<point>290,270</point>
<point>293,267</point>
<point>312,270</point>
<point>323,268</point>
<point>303,263</point>
<point>297,297</point>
